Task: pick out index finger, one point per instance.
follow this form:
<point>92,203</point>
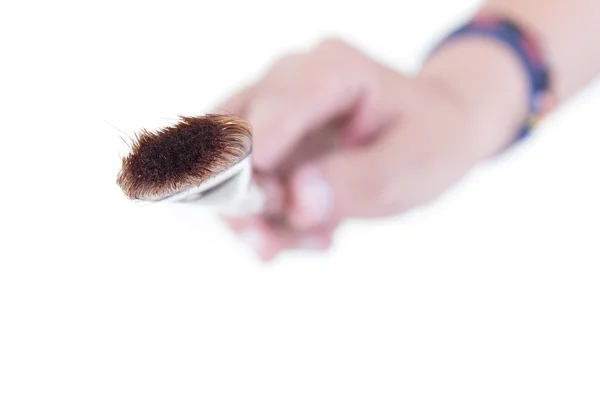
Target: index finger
<point>300,95</point>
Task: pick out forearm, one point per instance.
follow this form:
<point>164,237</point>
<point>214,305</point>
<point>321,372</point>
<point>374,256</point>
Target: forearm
<point>487,75</point>
<point>569,31</point>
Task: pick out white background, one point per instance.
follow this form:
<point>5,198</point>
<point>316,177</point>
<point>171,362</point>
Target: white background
<point>493,292</point>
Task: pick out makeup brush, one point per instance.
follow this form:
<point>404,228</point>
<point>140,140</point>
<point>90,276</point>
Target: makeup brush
<point>202,160</point>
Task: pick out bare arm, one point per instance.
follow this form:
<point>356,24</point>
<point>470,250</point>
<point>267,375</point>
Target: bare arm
<point>404,139</point>
<point>570,33</point>
<point>488,75</point>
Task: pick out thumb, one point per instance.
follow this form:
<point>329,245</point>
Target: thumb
<point>347,183</point>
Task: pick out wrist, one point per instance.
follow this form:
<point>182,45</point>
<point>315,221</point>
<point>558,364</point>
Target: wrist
<point>491,84</point>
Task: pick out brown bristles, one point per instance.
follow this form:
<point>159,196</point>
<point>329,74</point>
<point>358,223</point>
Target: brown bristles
<point>175,158</point>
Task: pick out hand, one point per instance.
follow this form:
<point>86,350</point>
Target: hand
<point>400,141</point>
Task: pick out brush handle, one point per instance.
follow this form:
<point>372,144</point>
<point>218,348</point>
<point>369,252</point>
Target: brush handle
<point>236,196</point>
<point>252,203</point>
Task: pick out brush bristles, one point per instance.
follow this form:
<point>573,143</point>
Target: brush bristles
<point>175,158</point>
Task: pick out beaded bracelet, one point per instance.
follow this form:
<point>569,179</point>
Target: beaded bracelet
<point>529,52</point>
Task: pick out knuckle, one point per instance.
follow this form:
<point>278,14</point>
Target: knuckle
<point>332,43</point>
<point>281,74</point>
<point>285,63</point>
<point>338,56</point>
<point>337,49</point>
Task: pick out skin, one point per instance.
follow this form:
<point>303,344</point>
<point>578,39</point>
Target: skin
<point>400,141</point>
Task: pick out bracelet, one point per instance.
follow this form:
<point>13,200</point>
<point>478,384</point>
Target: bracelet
<point>529,52</point>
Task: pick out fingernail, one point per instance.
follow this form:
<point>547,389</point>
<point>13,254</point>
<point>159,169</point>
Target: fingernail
<point>313,198</point>
<point>252,237</point>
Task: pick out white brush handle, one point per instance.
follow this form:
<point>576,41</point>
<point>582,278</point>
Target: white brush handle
<point>236,196</point>
<point>251,203</point>
<point>230,193</point>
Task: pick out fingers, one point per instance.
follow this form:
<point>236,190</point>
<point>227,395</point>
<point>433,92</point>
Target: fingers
<point>294,102</point>
<point>371,181</point>
<point>409,165</point>
<point>268,240</point>
<point>344,184</point>
<point>299,95</point>
<point>319,195</point>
